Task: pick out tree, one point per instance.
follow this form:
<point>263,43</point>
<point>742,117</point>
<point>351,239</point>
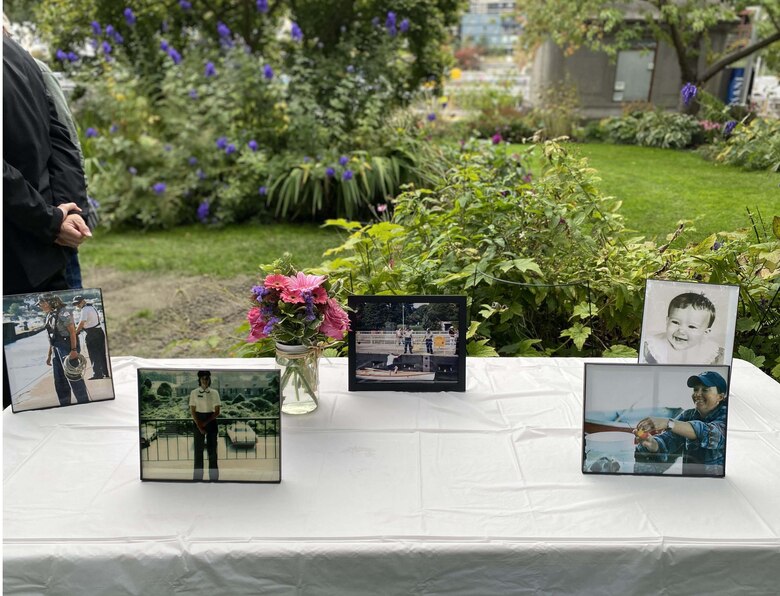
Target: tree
<point>683,24</point>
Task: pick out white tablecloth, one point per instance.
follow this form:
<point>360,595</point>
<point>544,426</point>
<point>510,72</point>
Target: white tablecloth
<point>393,493</point>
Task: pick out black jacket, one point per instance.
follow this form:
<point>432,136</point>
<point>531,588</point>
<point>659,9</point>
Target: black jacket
<point>41,169</point>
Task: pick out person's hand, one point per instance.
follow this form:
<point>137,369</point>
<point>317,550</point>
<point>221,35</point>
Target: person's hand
<point>48,360</point>
<point>73,231</point>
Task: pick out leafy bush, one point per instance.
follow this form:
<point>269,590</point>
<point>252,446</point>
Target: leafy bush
<point>199,122</point>
<point>656,128</point>
<point>545,260</point>
<point>753,146</point>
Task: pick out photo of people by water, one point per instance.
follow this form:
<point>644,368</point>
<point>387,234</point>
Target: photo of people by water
<point>645,419</point>
<point>56,349</point>
<point>209,425</point>
<point>407,343</point>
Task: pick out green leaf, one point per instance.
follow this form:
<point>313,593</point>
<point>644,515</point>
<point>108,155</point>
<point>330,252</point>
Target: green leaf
<point>747,354</point>
<point>619,351</point>
<point>522,348</point>
<point>776,228</point>
<point>472,329</point>
<point>480,349</point>
<point>583,310</point>
<point>578,334</point>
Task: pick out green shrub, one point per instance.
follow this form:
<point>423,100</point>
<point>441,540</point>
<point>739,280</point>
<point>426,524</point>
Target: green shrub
<point>669,130</point>
<point>545,262</point>
<point>753,146</point>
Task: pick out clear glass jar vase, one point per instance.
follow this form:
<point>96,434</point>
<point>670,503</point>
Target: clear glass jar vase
<point>299,367</point>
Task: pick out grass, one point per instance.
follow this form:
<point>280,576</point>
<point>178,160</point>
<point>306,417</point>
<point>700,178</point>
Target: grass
<point>660,187</point>
<point>196,250</point>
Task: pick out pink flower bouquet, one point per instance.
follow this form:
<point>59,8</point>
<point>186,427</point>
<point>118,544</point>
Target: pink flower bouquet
<point>296,309</point>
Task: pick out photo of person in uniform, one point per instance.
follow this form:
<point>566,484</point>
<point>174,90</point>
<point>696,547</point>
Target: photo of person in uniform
<point>89,322</point>
<point>204,408</point>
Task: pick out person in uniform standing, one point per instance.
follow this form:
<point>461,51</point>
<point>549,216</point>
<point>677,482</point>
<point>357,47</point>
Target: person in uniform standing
<point>204,408</point>
<point>96,338</point>
<point>63,344</point>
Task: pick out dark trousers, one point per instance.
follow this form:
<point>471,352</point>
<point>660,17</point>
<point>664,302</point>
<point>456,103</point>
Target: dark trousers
<point>429,346</point>
<point>408,345</point>
<point>63,385</point>
<point>96,346</point>
<point>209,440</point>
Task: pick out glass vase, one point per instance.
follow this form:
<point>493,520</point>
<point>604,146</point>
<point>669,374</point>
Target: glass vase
<point>299,378</point>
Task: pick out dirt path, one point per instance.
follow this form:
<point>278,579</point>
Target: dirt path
<point>156,315</point>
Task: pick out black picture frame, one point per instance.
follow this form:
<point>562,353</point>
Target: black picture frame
<point>617,397</point>
<point>702,331</point>
<point>248,429</point>
<point>435,361</point>
<point>41,374</point>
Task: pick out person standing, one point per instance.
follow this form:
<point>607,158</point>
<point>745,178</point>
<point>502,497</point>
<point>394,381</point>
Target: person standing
<point>63,344</point>
<point>44,197</point>
<point>408,340</point>
<point>428,341</point>
<point>96,338</point>
<point>204,409</point>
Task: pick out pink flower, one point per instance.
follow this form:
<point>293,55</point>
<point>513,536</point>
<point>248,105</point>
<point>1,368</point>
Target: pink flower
<point>256,324</point>
<point>336,322</point>
<point>319,295</point>
<point>276,281</point>
<point>291,297</point>
<point>302,282</point>
<point>496,138</point>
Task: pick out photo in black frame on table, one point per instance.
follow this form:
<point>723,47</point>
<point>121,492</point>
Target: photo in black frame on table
<point>688,323</point>
<point>407,343</point>
<point>56,349</point>
<point>209,424</point>
<point>655,419</point>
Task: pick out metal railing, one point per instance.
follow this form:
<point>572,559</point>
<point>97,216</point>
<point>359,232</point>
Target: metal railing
<point>173,439</point>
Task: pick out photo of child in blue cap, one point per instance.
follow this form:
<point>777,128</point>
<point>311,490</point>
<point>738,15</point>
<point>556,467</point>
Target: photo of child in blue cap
<point>699,433</point>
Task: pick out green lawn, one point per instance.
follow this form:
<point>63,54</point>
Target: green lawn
<point>659,187</point>
<point>194,250</point>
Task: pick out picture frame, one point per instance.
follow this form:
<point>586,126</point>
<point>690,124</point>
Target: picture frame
<point>39,330</point>
<point>242,443</point>
<point>688,323</point>
<point>407,343</point>
<point>626,412</point>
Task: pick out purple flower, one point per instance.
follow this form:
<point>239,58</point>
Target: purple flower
<point>164,45</point>
<point>167,147</point>
<point>330,172</point>
<point>106,47</point>
<point>118,38</point>
<point>210,71</point>
<point>347,175</point>
<point>193,94</point>
<point>309,301</point>
<point>306,159</point>
<point>129,16</point>
<point>268,72</point>
<point>231,148</point>
<point>159,187</point>
<point>222,142</point>
<point>132,171</point>
<point>343,160</point>
<point>431,117</point>
<point>295,32</point>
<point>404,26</point>
<point>716,246</point>
<point>193,161</point>
<point>164,26</point>
<point>390,23</point>
<point>96,28</point>
<point>269,326</point>
<point>688,92</point>
<point>201,174</point>
<point>73,56</point>
<point>109,30</point>
<point>91,133</point>
<point>252,145</point>
<point>223,30</point>
<point>350,68</point>
<point>262,6</point>
<point>175,56</point>
<point>203,211</point>
<point>729,127</point>
<point>113,128</point>
<point>262,190</point>
<point>375,22</point>
<point>259,292</point>
<point>60,55</point>
<point>184,5</point>
<point>496,138</point>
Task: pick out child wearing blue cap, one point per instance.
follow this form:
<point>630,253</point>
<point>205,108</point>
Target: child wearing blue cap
<point>699,433</point>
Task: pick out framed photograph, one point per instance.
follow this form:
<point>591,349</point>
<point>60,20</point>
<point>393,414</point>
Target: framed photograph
<point>209,425</point>
<point>56,349</point>
<point>655,419</point>
<point>688,323</point>
<point>407,343</point>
